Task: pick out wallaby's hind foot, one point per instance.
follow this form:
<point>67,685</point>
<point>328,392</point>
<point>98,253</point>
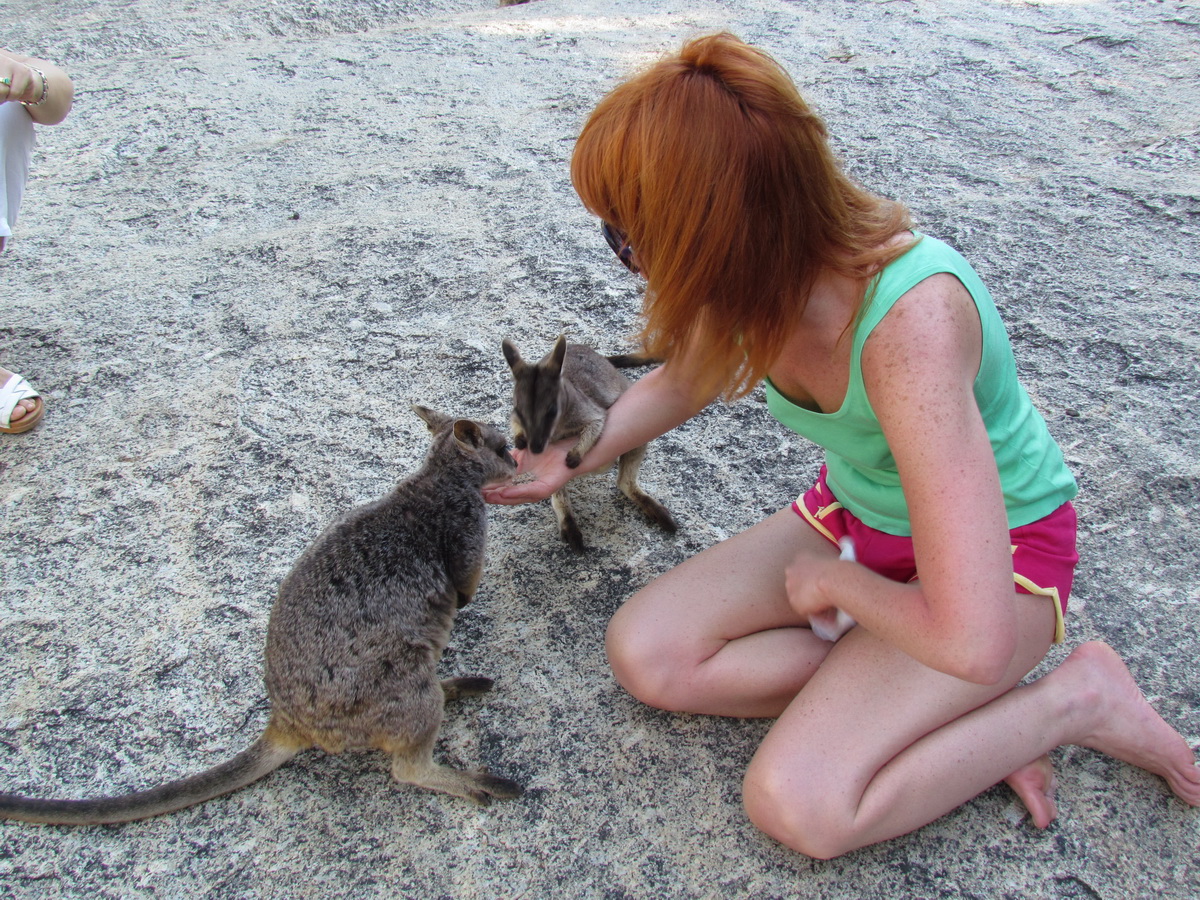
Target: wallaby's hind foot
<point>570,533</point>
<point>466,686</point>
<point>568,528</point>
<point>495,786</point>
<point>627,471</point>
<point>654,511</point>
<point>417,767</point>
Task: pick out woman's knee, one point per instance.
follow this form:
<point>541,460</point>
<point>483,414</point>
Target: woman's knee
<point>645,661</point>
<point>781,803</point>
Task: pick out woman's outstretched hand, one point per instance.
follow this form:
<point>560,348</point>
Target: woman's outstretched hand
<point>549,471</point>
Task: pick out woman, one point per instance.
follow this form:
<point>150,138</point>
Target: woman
<point>763,261</point>
<point>31,91</point>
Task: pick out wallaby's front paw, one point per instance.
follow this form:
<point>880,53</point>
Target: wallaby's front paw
<point>520,442</point>
<point>573,460</point>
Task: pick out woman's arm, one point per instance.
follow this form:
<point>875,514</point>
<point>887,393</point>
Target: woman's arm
<point>656,403</point>
<point>26,86</point>
<point>919,367</point>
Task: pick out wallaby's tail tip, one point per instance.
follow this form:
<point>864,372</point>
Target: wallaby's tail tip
<point>633,360</point>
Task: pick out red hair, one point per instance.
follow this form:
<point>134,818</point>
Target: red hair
<point>723,180</point>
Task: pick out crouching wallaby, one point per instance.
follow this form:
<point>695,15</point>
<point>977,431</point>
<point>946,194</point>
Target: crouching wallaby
<point>567,394</point>
<point>355,636</point>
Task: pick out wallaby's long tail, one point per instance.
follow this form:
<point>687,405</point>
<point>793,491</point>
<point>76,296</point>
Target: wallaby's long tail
<point>266,755</point>
<point>632,360</point>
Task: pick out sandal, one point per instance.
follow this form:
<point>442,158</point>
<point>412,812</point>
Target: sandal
<point>13,392</point>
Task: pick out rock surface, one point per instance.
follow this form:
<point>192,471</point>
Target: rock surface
<point>269,225</point>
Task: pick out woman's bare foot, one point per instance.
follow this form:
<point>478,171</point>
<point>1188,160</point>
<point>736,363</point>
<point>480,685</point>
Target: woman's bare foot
<point>1125,726</point>
<point>1035,784</point>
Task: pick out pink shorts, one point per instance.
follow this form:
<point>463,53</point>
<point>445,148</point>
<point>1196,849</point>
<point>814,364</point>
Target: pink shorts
<point>1043,552</point>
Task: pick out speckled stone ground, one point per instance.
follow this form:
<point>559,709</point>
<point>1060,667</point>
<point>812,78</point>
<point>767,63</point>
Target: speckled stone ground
<point>269,226</point>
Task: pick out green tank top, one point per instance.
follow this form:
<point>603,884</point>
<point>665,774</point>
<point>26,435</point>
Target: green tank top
<point>861,470</point>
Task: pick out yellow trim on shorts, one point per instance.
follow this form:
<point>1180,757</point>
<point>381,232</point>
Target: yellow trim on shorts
<point>1060,626</point>
<point>822,512</point>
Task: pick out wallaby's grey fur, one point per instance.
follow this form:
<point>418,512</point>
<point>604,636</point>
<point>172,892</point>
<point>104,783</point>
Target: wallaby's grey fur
<point>567,394</point>
<point>355,636</point>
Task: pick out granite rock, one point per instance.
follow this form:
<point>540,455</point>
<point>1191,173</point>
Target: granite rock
<point>270,225</point>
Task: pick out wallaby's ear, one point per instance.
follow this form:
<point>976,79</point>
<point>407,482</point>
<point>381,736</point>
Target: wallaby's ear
<point>467,434</point>
<point>435,420</point>
<point>511,354</point>
<point>558,354</point>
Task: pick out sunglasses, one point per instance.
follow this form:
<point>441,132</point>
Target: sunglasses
<point>620,246</point>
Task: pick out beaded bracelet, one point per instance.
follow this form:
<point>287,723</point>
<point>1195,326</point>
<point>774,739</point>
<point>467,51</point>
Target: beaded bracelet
<point>45,89</point>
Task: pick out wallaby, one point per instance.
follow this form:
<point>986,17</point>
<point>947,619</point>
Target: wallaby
<point>567,394</point>
<point>355,636</point>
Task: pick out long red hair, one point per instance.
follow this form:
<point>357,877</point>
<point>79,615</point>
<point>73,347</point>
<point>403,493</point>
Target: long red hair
<point>723,180</point>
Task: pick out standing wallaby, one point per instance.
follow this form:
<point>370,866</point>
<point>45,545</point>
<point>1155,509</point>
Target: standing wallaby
<point>355,636</point>
<point>567,394</point>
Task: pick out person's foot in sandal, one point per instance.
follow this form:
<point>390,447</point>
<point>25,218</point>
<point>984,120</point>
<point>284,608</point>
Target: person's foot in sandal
<point>20,406</point>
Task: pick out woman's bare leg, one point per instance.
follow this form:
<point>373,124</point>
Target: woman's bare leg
<point>716,634</point>
<point>877,745</point>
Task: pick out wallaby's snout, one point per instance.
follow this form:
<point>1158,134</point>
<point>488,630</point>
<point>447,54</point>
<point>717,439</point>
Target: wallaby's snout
<point>491,447</point>
<point>537,401</point>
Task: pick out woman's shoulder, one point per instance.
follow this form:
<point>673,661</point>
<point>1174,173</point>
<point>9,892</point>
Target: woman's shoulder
<point>925,258</point>
<point>928,297</point>
<point>923,251</point>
